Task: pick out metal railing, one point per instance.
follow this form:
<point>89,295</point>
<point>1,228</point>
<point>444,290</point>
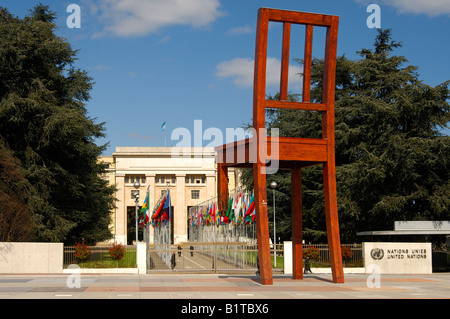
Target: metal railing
<point>356,259</point>
<point>207,257</point>
<point>204,257</point>
<point>232,257</point>
<point>100,258</point>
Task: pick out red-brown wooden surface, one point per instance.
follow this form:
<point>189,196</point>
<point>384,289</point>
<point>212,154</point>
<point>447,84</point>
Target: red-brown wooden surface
<point>293,153</point>
<point>297,228</point>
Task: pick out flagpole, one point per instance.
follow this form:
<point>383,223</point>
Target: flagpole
<point>170,230</point>
<point>146,228</point>
<point>136,198</point>
<point>163,128</point>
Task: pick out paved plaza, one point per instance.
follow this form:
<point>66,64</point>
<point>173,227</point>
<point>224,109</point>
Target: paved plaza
<point>222,286</point>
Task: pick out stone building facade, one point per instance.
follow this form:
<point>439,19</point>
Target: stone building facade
<point>189,172</point>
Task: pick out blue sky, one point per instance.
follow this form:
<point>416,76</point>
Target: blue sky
<point>177,61</point>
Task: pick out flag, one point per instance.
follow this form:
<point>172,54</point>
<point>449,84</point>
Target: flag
<point>224,220</point>
<point>239,208</point>
<point>158,211</point>
<point>167,206</point>
<point>143,214</point>
<point>230,204</point>
<point>145,205</point>
<point>213,214</point>
<point>163,127</point>
<point>236,207</point>
<point>250,213</point>
<point>233,207</point>
<point>251,206</point>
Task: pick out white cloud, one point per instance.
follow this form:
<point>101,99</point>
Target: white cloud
<point>141,17</point>
<point>246,29</point>
<point>428,7</point>
<point>240,70</point>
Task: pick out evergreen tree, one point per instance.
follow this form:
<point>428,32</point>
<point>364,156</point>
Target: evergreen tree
<point>43,120</point>
<point>391,160</point>
<point>15,219</point>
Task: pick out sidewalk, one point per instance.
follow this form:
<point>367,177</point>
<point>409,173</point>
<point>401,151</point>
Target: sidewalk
<point>221,286</point>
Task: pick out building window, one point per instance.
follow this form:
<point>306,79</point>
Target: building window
<point>165,179</point>
<point>195,179</point>
<point>195,194</point>
<point>130,179</point>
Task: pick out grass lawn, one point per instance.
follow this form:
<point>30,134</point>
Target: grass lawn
<point>102,260</point>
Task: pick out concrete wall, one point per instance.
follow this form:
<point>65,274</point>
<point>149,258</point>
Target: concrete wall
<point>16,258</point>
<point>287,253</point>
<point>422,225</point>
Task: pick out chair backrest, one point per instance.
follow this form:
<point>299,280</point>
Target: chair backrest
<point>310,20</point>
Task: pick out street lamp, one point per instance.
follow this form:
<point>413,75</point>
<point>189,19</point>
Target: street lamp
<point>273,185</point>
<point>136,200</point>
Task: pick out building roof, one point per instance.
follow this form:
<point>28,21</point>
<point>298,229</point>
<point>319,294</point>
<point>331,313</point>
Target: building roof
<point>163,151</point>
<point>413,228</point>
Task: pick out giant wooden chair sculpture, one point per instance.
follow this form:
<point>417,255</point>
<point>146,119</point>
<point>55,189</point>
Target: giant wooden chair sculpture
<point>292,153</point>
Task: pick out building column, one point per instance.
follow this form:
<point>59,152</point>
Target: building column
<point>180,216</point>
<point>120,235</point>
<point>211,186</point>
<point>150,182</point>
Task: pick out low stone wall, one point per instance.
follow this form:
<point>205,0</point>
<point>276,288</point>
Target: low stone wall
<point>398,258</point>
<point>35,258</point>
<point>287,270</point>
<point>47,258</point>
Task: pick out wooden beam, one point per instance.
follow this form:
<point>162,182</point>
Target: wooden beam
<point>297,227</point>
<point>285,61</point>
<point>259,173</point>
<point>329,170</point>
<point>222,188</point>
<point>332,223</point>
<point>299,17</point>
<point>306,106</point>
<point>307,61</point>
<point>329,75</point>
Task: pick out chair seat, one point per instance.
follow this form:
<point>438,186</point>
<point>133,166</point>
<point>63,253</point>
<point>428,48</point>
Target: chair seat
<point>305,151</point>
